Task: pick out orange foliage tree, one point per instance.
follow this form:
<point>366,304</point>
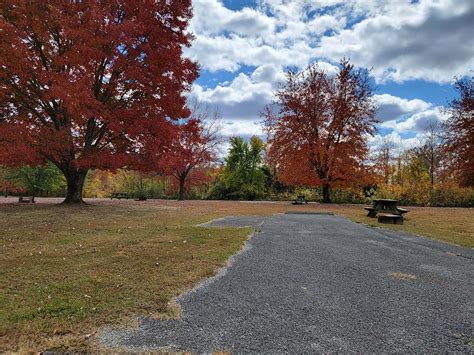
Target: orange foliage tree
<point>459,132</point>
<point>318,125</point>
<point>89,84</point>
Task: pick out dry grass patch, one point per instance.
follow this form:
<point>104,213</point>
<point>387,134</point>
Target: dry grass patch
<point>67,271</point>
<point>450,225</point>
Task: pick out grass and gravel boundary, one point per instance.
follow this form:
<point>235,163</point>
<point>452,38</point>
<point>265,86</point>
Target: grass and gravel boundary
<point>68,271</point>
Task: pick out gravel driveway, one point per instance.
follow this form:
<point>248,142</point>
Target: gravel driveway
<point>313,283</point>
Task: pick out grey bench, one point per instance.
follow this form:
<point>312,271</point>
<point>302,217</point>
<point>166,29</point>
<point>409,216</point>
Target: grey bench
<point>372,212</point>
<point>402,210</point>
<point>389,218</point>
<point>300,200</point>
<point>118,195</point>
<point>22,199</point>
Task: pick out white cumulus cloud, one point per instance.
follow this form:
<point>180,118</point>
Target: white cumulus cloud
<point>394,108</point>
<point>430,40</point>
<point>401,40</point>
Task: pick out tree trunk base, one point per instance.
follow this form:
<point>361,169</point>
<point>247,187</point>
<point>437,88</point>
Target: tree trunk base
<point>181,191</point>
<point>326,194</point>
<point>73,203</point>
<point>75,182</point>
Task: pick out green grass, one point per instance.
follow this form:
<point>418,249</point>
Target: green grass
<point>66,271</point>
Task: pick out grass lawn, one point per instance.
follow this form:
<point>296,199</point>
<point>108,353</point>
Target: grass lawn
<point>450,225</point>
<point>67,271</point>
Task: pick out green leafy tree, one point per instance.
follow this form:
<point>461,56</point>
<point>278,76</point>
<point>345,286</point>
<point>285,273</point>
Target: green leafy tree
<point>42,179</point>
<point>6,185</point>
<point>416,170</point>
<point>243,175</point>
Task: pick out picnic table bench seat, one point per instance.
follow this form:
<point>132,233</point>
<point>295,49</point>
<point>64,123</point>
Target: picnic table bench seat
<point>390,218</point>
<point>371,211</point>
<point>386,210</point>
<point>118,195</point>
<point>23,199</point>
<point>301,199</point>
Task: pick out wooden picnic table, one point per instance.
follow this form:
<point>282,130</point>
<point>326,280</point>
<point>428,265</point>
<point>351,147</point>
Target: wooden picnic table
<point>23,199</point>
<point>386,206</point>
<point>118,195</point>
<point>300,200</point>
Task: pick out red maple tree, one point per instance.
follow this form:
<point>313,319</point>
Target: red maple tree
<point>193,147</point>
<point>90,84</point>
<point>318,124</point>
<point>459,132</point>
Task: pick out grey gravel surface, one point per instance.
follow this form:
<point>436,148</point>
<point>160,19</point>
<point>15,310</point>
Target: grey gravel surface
<point>320,283</point>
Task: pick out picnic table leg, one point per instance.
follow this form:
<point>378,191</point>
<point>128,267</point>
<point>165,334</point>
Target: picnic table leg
<point>373,212</point>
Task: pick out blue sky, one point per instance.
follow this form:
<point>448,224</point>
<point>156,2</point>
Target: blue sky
<point>415,50</point>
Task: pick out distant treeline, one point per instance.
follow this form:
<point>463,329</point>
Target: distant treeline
<point>244,175</point>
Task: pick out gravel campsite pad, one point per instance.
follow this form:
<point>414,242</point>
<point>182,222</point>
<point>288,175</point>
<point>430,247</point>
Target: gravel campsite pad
<point>316,282</point>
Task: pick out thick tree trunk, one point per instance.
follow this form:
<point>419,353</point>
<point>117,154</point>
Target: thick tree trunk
<point>75,182</point>
<point>181,191</point>
<point>326,195</point>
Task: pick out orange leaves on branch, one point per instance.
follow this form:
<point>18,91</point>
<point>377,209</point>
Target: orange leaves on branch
<point>318,125</point>
<point>459,132</point>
